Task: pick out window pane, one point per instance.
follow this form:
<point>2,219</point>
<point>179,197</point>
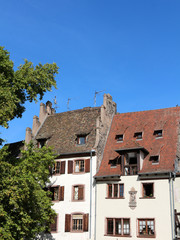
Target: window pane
<point>110,226</point>
<point>118,226</point>
<point>115,190</point>
<point>75,193</point>
<point>110,190</point>
<point>126,228</point>
<point>121,190</point>
<point>57,167</point>
<point>77,166</point>
<point>81,166</point>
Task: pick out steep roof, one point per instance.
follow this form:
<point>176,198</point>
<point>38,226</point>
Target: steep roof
<point>146,122</point>
<point>15,148</point>
<point>62,129</point>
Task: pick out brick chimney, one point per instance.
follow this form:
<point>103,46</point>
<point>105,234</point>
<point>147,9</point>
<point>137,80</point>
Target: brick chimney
<point>42,113</point>
<point>36,125</point>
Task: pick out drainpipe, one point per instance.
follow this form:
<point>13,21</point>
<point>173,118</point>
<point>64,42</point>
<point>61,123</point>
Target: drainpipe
<point>173,213</point>
<point>90,207</point>
<point>170,195</point>
<point>95,211</point>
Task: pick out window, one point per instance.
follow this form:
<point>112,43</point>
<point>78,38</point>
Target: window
<point>154,159</point>
<point>41,143</point>
<point>59,167</point>
<point>131,160</point>
<point>76,222</point>
<point>78,192</point>
<point>81,140</point>
<point>146,227</point>
<point>138,135</point>
<point>119,138</point>
<point>115,162</point>
<point>157,133</point>
<point>115,191</point>
<point>118,226</point>
<point>57,193</point>
<point>148,190</point>
<point>79,166</point>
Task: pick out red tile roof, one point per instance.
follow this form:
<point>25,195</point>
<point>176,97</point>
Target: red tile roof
<point>146,122</point>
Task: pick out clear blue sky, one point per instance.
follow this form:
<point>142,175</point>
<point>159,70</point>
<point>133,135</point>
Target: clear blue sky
<point>128,48</point>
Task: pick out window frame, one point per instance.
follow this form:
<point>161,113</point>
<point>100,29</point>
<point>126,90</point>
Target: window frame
<point>119,137</point>
<point>143,190</point>
<point>158,133</point>
<point>83,192</point>
<point>113,232</point>
<point>79,160</point>
<point>138,135</point>
<point>146,235</point>
<point>119,190</point>
<point>79,137</point>
<point>154,160</point>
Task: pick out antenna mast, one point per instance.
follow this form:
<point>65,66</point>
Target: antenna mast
<point>95,96</point>
<point>68,103</point>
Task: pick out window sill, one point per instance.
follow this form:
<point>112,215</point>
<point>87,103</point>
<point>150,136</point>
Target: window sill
<point>146,236</point>
<point>147,198</point>
<point>117,235</point>
<point>78,200</point>
<point>115,198</point>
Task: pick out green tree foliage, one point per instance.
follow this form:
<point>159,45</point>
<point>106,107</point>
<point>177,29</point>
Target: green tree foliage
<point>25,84</point>
<point>25,207</point>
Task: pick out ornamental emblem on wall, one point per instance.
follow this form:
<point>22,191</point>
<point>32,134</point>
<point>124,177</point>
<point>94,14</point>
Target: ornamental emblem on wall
<point>132,198</point>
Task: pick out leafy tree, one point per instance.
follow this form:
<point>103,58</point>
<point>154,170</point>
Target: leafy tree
<point>24,84</point>
<point>25,207</point>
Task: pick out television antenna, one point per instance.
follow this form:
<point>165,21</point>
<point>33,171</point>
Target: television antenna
<point>69,99</point>
<point>55,103</point>
<point>95,94</point>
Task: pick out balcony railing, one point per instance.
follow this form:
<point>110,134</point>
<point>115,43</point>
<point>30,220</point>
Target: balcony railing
<point>131,169</point>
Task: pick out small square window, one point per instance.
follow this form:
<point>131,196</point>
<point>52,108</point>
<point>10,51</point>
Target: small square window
<point>81,140</point>
<point>158,133</point>
<point>154,159</point>
<point>117,226</point>
<point>138,135</point>
<point>148,190</point>
<point>119,138</point>
<point>77,222</point>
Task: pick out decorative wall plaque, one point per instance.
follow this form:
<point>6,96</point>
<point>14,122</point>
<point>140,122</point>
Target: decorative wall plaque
<point>132,198</point>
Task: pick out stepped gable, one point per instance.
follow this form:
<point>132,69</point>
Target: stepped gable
<point>167,146</point>
<point>61,130</point>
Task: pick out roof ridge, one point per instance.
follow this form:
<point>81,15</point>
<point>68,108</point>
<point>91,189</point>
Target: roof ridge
<point>159,109</point>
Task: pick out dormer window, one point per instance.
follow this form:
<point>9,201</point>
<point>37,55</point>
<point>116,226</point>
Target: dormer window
<point>41,143</point>
<point>154,159</point>
<point>157,133</point>
<point>81,139</point>
<point>138,135</point>
<point>119,138</point>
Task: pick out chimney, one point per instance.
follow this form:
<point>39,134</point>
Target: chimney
<point>42,113</point>
<point>36,125</point>
<point>28,136</point>
<point>49,108</point>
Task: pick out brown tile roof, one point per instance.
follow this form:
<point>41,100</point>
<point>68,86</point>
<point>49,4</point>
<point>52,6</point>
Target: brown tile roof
<point>62,129</point>
<point>146,121</point>
<point>15,148</point>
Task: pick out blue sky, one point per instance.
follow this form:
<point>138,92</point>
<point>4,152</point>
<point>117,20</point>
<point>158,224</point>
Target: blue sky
<point>128,48</point>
